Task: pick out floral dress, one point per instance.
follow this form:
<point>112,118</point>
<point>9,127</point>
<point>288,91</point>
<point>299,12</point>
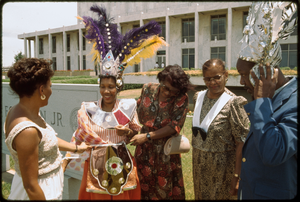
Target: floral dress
<point>160,175</point>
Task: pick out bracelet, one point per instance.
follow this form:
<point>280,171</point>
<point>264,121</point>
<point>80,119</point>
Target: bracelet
<point>76,149</point>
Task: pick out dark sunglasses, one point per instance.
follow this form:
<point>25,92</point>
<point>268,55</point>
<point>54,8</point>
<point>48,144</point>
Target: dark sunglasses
<point>215,78</point>
<point>197,130</point>
<point>165,88</point>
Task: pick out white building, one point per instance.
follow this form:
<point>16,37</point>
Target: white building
<point>195,31</point>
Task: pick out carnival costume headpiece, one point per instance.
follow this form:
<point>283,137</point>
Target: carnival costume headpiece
<point>113,52</point>
<point>267,22</point>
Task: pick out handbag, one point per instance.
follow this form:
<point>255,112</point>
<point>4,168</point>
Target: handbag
<point>111,170</point>
<point>176,145</point>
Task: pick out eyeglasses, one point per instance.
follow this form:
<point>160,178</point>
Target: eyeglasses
<point>215,78</point>
<point>165,88</point>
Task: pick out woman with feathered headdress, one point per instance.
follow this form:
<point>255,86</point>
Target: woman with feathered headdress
<point>109,171</point>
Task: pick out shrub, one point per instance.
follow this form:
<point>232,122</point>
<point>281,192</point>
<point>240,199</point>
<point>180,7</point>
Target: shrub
<point>132,86</point>
<point>285,68</point>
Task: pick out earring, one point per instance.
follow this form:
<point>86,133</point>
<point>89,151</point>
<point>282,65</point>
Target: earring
<point>43,97</point>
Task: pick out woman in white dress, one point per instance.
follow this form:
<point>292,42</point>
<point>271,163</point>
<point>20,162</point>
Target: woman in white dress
<point>32,142</point>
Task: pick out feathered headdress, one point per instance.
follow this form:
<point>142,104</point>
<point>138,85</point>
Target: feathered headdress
<point>112,51</point>
<point>267,22</point>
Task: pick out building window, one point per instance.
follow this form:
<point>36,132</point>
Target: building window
<point>218,52</point>
<point>54,64</point>
<point>188,58</point>
<point>289,55</point>
<point>54,44</point>
<point>78,62</point>
<point>84,61</point>
<point>78,41</point>
<point>83,41</point>
<point>68,62</point>
<point>188,30</point>
<point>41,47</point>
<point>218,27</point>
<point>68,42</point>
<point>163,29</point>
<point>245,15</point>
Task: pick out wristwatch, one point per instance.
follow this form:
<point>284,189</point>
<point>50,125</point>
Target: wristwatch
<point>148,136</point>
<point>236,175</point>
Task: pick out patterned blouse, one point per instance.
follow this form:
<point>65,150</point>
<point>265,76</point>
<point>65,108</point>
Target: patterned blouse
<point>229,126</point>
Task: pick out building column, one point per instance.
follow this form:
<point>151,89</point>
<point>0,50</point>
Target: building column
<point>29,48</point>
<point>36,52</point>
<point>142,61</point>
<point>229,31</point>
<point>64,49</point>
<point>50,44</point>
<point>80,48</point>
<point>167,39</point>
<point>25,46</point>
<point>196,40</point>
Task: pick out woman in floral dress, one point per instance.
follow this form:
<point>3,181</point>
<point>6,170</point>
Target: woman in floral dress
<point>162,111</point>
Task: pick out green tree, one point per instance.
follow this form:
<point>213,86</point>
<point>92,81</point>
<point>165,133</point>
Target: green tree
<point>19,56</point>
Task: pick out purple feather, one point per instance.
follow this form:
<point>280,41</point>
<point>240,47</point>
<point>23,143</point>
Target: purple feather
<point>108,37</point>
<point>136,36</point>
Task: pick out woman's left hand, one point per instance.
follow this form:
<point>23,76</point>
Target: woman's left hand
<point>139,139</point>
<point>234,186</point>
<point>123,131</point>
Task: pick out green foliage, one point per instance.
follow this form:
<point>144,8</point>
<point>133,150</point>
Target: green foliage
<point>153,70</point>
<point>295,68</point>
<point>187,69</point>
<point>18,56</point>
<point>132,86</point>
<point>285,68</point>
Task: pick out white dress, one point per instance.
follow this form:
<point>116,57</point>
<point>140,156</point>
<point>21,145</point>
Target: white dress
<point>51,175</point>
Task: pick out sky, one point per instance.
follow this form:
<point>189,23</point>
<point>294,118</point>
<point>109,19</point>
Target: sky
<point>25,17</point>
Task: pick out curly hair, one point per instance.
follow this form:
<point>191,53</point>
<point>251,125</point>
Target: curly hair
<point>27,74</point>
<point>213,62</point>
<point>176,77</point>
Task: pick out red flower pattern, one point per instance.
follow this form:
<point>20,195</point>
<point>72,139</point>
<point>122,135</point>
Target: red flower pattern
<point>151,161</point>
<point>147,102</point>
<point>144,187</point>
<point>146,171</point>
<point>162,181</point>
<point>176,191</point>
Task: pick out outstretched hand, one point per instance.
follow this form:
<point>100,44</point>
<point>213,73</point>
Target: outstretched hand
<point>83,147</point>
<point>265,86</point>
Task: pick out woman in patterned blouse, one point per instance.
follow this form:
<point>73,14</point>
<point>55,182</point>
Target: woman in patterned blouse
<point>162,111</point>
<point>217,154</point>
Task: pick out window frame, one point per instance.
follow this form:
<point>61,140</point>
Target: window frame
<point>189,55</point>
<point>54,64</point>
<point>191,36</point>
<point>68,62</point>
<point>41,46</point>
<point>53,44</point>
<point>218,53</point>
<point>212,36</point>
<point>288,51</point>
<point>68,42</point>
